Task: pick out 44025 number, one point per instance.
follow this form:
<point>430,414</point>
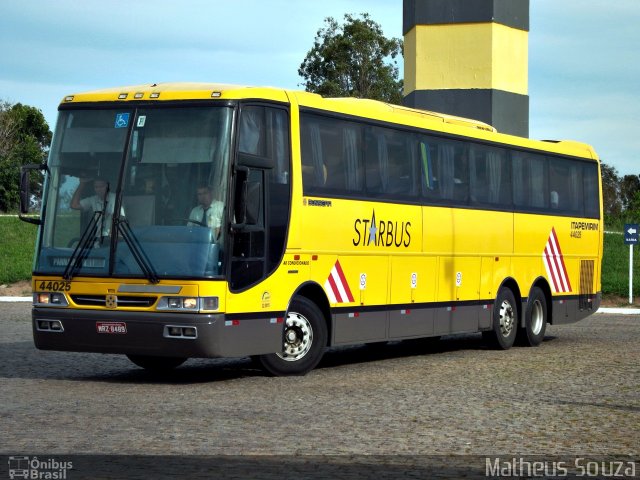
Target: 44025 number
<point>54,286</point>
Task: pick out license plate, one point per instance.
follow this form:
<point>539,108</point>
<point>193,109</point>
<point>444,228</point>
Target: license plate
<point>111,327</point>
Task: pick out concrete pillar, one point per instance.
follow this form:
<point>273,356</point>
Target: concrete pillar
<point>469,58</point>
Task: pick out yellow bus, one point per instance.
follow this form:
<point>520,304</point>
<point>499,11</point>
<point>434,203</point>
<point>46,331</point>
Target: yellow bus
<point>205,220</point>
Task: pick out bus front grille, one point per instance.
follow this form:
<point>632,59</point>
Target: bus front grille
<point>122,301</point>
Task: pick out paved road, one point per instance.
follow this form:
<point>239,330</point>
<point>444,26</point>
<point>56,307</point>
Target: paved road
<point>578,394</point>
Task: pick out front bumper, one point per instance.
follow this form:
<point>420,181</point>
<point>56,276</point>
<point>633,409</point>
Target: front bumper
<point>218,335</point>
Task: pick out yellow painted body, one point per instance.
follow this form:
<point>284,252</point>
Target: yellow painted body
<point>424,255</point>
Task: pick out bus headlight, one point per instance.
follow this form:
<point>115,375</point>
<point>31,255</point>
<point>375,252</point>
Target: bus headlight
<point>53,299</point>
<point>179,303</point>
<point>188,303</point>
<point>209,303</point>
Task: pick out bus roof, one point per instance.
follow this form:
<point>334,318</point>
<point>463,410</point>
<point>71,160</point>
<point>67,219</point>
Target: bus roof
<point>177,91</point>
<point>373,109</point>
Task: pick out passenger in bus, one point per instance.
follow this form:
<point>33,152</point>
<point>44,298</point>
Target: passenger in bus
<point>104,200</point>
<point>554,199</point>
<point>208,212</point>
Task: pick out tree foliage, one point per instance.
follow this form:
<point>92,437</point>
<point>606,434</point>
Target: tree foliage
<point>610,191</point>
<point>620,197</point>
<point>24,138</point>
<point>354,59</point>
<point>629,187</point>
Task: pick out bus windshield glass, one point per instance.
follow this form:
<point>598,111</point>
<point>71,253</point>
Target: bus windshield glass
<point>137,192</point>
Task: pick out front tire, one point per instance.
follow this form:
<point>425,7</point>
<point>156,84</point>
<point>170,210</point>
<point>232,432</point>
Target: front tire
<point>505,321</point>
<point>535,319</point>
<point>305,338</point>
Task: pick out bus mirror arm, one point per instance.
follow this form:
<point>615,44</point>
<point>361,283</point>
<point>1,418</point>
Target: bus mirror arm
<point>25,197</point>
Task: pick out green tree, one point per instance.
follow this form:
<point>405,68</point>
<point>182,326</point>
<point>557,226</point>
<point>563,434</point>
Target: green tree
<point>353,60</point>
<point>629,186</point>
<point>24,138</point>
<point>610,191</point>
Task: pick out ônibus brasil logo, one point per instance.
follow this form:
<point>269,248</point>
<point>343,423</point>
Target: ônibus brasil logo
<point>35,468</point>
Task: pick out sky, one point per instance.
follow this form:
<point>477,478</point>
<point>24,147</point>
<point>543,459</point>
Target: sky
<point>584,55</point>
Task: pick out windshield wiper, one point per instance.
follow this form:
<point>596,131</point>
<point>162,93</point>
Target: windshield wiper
<point>137,251</point>
<point>82,249</point>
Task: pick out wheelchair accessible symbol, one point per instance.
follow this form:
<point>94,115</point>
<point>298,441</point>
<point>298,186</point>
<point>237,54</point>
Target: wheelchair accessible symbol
<point>122,120</point>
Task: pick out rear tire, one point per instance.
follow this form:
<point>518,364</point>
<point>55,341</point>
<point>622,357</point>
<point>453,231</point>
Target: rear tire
<point>156,364</point>
<point>535,319</point>
<point>305,338</point>
<point>505,321</point>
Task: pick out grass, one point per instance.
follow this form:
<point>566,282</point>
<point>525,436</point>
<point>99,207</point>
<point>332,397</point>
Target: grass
<point>18,238</point>
<point>615,267</point>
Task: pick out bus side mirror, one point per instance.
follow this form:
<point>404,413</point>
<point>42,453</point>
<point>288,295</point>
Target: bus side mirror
<point>25,194</point>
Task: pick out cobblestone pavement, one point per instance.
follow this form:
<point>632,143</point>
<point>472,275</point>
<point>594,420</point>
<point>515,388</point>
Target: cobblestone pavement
<point>576,394</point>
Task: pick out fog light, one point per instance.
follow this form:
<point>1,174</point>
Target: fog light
<point>180,332</point>
<point>49,326</point>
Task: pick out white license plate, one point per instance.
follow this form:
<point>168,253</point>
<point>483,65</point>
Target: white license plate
<point>111,327</point>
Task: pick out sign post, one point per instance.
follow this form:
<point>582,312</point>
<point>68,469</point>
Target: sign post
<point>631,239</point>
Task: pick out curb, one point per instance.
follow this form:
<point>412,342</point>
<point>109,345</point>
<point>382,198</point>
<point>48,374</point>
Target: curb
<point>620,311</point>
<point>16,299</point>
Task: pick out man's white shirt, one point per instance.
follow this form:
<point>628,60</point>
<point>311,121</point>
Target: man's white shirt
<point>213,217</point>
<point>96,204</point>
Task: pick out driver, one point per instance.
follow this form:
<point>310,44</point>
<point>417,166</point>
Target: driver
<point>208,212</point>
<point>100,202</point>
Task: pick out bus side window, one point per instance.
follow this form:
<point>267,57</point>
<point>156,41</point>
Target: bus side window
<point>446,177</point>
<point>332,150</point>
<point>428,181</point>
<point>351,148</point>
<point>314,172</point>
<point>376,162</point>
<point>252,131</point>
<point>489,176</point>
<point>401,164</point>
<point>530,182</point>
<point>591,194</point>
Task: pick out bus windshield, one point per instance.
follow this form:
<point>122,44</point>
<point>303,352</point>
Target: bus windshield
<point>137,192</point>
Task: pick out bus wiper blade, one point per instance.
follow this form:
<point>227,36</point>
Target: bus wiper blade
<point>137,251</point>
<point>82,249</point>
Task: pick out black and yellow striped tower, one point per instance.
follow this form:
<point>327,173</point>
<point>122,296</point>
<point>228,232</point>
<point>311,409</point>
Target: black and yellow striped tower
<point>469,58</point>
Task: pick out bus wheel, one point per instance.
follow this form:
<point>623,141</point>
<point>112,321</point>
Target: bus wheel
<point>535,319</point>
<point>156,364</point>
<point>505,321</point>
<point>305,337</point>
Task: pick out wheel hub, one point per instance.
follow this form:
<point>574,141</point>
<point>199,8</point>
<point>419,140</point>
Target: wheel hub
<point>298,337</point>
<point>537,317</point>
<point>507,318</point>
